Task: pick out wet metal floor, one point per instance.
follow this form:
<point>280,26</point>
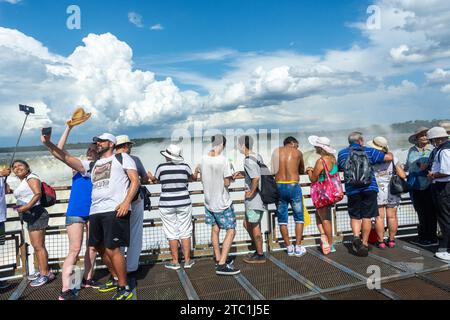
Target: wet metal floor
<point>407,272</point>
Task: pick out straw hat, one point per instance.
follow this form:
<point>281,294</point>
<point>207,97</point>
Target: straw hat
<point>124,139</point>
<point>379,143</point>
<point>78,117</point>
<point>413,138</point>
<point>173,152</point>
<point>321,142</point>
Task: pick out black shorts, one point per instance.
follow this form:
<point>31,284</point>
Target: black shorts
<point>106,230</point>
<point>363,205</point>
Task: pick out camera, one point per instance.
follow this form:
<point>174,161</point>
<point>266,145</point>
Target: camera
<point>26,109</point>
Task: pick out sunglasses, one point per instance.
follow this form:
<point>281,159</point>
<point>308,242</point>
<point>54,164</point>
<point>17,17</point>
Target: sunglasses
<point>101,141</point>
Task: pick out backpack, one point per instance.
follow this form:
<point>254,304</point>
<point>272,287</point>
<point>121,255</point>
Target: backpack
<point>358,171</point>
<point>119,158</point>
<point>147,201</point>
<point>48,195</point>
<point>268,190</point>
<point>436,153</point>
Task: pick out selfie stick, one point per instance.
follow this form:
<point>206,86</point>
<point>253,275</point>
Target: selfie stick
<point>28,111</point>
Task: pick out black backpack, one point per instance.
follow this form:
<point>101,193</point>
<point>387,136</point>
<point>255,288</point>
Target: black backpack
<point>268,190</point>
<point>358,171</point>
<point>436,151</point>
<point>147,201</point>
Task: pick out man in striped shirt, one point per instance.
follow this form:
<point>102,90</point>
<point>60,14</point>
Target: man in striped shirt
<point>175,204</point>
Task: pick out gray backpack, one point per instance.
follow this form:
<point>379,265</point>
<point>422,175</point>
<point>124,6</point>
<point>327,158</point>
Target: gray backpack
<point>358,171</point>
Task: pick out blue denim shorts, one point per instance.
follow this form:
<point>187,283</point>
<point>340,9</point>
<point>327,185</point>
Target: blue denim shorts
<point>290,194</point>
<point>73,219</point>
<point>226,220</point>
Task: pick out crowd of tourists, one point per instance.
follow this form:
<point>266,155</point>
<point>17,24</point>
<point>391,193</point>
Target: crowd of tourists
<point>108,197</point>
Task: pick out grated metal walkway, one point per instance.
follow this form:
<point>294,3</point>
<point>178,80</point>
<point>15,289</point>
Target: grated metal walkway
<point>407,272</point>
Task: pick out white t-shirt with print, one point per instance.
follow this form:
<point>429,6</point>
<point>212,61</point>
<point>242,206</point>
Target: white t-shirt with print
<point>213,171</point>
<point>110,183</point>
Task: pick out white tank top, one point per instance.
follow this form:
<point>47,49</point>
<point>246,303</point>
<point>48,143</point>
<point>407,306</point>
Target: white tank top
<point>23,192</point>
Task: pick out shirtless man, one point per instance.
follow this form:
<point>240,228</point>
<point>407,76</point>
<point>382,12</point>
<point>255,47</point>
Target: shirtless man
<point>288,165</point>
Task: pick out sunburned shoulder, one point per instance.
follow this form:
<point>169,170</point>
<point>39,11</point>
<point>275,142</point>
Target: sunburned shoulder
<point>294,151</point>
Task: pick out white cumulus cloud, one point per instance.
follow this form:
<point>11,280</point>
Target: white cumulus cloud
<point>157,27</point>
<point>256,87</point>
<point>136,19</point>
<point>11,1</point>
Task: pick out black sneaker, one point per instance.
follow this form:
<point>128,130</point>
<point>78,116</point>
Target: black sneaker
<point>111,285</point>
<point>363,251</point>
<point>229,261</point>
<point>90,284</point>
<point>123,293</point>
<point>227,270</point>
<point>255,258</point>
<point>356,244</point>
<point>68,295</point>
<point>4,285</point>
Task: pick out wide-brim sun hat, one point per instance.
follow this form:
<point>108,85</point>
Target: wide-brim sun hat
<point>123,139</point>
<point>379,143</point>
<point>79,116</point>
<point>436,133</point>
<point>321,142</point>
<point>173,152</point>
<point>413,138</point>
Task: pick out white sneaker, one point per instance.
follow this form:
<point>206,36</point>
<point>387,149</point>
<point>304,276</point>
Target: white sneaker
<point>443,256</point>
<point>299,251</point>
<point>189,264</point>
<point>34,276</point>
<point>290,250</point>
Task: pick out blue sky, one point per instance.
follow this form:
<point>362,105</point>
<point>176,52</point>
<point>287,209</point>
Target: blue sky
<point>310,27</point>
<point>233,63</point>
<point>245,25</point>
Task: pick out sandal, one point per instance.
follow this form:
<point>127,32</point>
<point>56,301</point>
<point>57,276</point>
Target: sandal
<point>326,249</point>
<point>391,244</point>
<point>380,245</point>
<point>324,245</point>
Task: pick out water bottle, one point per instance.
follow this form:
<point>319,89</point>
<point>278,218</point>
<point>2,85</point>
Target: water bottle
<point>231,165</point>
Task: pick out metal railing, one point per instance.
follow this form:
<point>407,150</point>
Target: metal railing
<point>155,247</point>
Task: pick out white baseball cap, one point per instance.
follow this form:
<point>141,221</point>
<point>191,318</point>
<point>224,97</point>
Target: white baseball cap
<point>106,137</point>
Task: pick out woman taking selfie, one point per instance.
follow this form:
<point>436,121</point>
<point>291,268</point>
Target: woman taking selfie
<point>28,195</point>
